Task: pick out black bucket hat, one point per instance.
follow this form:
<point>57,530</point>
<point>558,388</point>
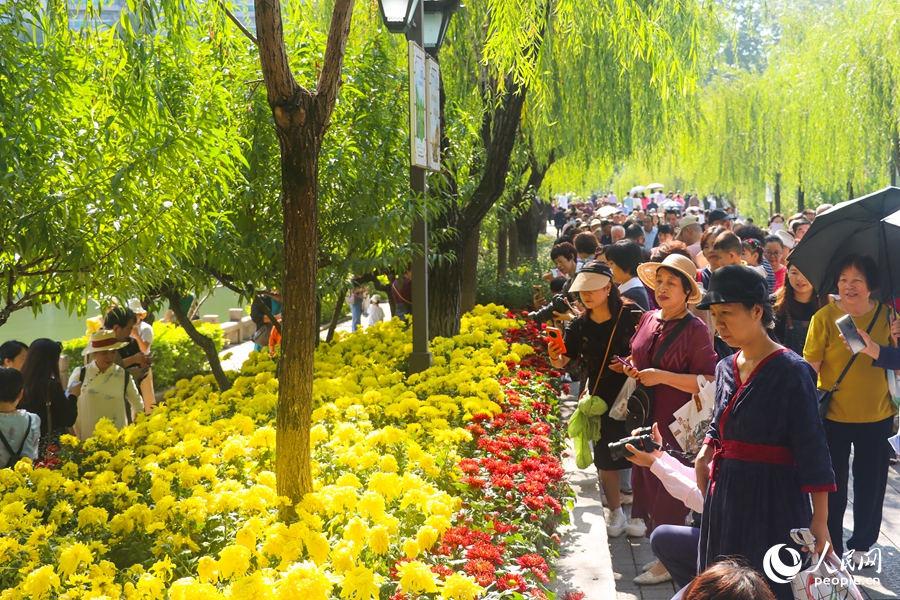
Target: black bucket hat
<point>735,283</point>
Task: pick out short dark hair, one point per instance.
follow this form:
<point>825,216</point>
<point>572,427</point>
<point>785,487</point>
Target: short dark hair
<point>634,232</point>
<point>586,243</point>
<point>660,253</point>
<point>558,284</point>
<point>750,231</point>
<point>797,223</point>
<point>773,238</point>
<point>863,263</point>
<point>11,383</point>
<point>672,211</point>
<point>627,256</point>
<point>731,579</point>
<point>11,350</point>
<point>665,228</point>
<point>120,315</point>
<point>713,232</point>
<point>728,242</point>
<point>565,249</point>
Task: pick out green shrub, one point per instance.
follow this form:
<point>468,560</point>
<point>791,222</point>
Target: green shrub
<point>175,356</point>
<point>516,291</point>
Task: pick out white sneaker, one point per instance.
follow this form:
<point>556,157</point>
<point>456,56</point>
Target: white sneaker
<point>616,523</point>
<point>635,528</point>
<point>862,560</point>
<point>648,579</point>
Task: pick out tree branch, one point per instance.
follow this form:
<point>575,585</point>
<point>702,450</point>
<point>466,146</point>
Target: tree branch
<point>240,25</point>
<point>280,83</point>
<point>330,78</point>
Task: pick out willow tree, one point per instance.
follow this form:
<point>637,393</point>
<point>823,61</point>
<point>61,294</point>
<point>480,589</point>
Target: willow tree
<point>109,143</point>
<point>504,56</point>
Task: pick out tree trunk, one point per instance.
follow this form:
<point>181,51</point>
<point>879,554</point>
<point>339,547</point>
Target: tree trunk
<point>777,192</point>
<point>208,346</point>
<point>895,154</point>
<point>850,194</point>
<point>301,119</point>
<point>514,254</point>
<point>444,287</point>
<point>501,251</point>
<point>801,197</point>
<point>335,317</point>
<point>470,270</point>
<point>528,227</point>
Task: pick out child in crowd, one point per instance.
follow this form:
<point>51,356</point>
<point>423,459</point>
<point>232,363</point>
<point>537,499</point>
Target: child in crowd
<point>730,251</point>
<point>376,313</point>
<point>20,430</point>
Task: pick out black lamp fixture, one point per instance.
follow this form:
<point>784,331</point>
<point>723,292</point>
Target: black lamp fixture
<point>397,14</point>
<point>437,20</point>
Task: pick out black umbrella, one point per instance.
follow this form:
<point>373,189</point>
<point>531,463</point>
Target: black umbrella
<point>854,227</point>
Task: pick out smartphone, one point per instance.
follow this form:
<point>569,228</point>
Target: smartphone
<point>538,288</point>
<point>848,328</point>
<point>623,361</point>
<point>555,334</point>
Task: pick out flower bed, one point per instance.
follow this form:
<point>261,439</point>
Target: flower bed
<point>443,484</point>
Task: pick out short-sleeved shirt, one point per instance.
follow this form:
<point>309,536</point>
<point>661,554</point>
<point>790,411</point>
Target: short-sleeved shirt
<point>863,395</point>
<point>15,429</point>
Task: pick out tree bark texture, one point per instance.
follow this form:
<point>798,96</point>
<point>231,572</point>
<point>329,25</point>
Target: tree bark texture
<point>470,271</point>
<point>301,119</point>
<point>514,254</point>
<point>531,217</point>
<point>777,195</point>
<point>445,280</point>
<point>501,251</point>
<point>208,346</point>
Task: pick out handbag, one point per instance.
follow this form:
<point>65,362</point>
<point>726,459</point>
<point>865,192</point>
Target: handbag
<point>826,396</point>
<point>640,404</point>
<point>260,337</point>
<point>692,420</point>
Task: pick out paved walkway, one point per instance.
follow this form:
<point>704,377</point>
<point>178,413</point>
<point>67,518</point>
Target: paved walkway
<point>604,568</point>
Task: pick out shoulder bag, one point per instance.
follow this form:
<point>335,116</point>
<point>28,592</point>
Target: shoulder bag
<point>826,396</point>
<point>640,404</point>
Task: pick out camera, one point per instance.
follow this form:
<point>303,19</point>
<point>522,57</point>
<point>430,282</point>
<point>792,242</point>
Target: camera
<point>557,305</point>
<point>642,441</point>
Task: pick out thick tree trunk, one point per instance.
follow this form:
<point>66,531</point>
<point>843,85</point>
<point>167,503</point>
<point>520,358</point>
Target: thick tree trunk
<point>777,192</point>
<point>335,317</point>
<point>208,346</point>
<point>301,119</point>
<point>470,270</point>
<point>444,289</point>
<point>299,174</point>
<point>528,226</point>
<point>501,251</point>
<point>514,254</point>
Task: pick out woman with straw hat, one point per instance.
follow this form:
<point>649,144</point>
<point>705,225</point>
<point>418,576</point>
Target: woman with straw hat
<point>670,348</point>
<point>102,386</point>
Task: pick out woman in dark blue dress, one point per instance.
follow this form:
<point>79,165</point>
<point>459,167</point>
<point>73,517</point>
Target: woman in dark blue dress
<point>766,446</point>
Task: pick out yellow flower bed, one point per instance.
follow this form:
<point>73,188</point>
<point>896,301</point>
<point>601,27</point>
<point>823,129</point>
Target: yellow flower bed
<point>183,505</point>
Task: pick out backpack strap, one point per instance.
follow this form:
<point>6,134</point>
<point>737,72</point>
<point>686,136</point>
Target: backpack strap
<point>81,373</point>
<point>24,437</point>
<point>6,442</point>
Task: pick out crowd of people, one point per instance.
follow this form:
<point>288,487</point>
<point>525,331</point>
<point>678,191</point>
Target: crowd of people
<point>115,382</point>
<point>666,295</point>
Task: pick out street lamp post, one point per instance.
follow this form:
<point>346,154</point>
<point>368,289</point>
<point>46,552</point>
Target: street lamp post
<point>424,22</point>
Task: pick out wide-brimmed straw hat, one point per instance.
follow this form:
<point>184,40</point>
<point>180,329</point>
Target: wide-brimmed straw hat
<point>101,341</point>
<point>593,276</point>
<point>675,262</point>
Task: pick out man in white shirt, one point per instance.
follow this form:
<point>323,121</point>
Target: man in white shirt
<point>649,232</point>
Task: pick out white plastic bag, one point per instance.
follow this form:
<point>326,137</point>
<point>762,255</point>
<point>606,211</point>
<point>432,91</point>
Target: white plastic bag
<point>619,408</point>
<point>693,419</point>
<point>823,579</point>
